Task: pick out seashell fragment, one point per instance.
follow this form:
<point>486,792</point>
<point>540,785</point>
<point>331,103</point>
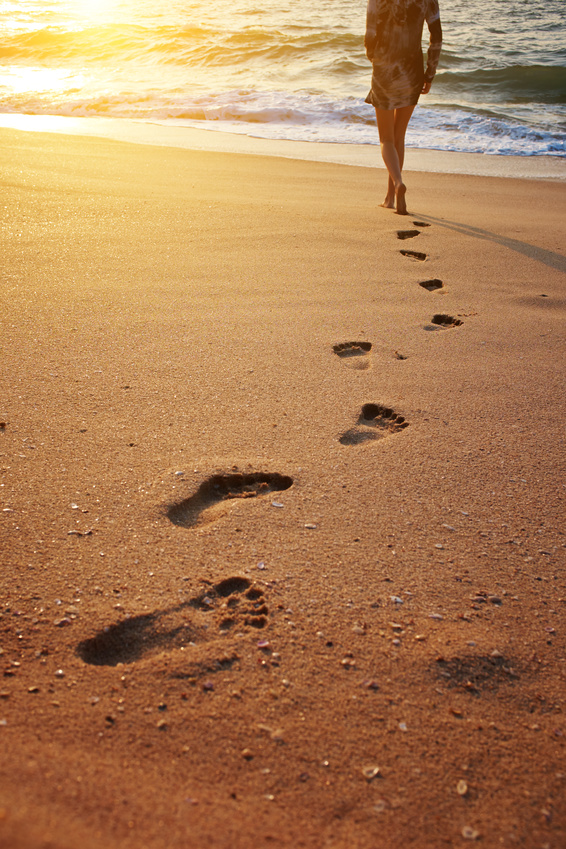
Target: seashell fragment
<point>370,772</point>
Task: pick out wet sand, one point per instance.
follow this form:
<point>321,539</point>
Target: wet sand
<point>282,527</point>
<point>171,134</point>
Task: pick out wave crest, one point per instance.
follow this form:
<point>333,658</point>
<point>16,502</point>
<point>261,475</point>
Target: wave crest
<point>544,83</point>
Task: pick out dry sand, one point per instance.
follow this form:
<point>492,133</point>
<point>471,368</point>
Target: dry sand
<point>369,653</point>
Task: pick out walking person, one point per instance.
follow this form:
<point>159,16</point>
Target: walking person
<point>393,43</point>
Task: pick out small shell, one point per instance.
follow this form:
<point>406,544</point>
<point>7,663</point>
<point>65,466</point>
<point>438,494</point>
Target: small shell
<point>470,833</point>
<point>462,788</point>
<point>370,772</point>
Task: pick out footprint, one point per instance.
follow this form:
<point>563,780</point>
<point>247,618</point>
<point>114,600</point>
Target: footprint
<point>125,641</point>
<point>198,509</point>
<point>432,285</point>
<point>441,320</point>
<point>375,422</point>
<point>354,353</point>
<point>407,234</point>
<point>421,224</point>
<point>414,255</point>
<point>232,602</point>
<point>475,674</point>
<point>235,601</point>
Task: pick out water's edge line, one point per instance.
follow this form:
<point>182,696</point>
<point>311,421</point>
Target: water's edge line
<point>161,134</point>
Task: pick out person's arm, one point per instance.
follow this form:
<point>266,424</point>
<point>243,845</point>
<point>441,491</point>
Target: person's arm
<point>435,45</point>
<point>371,28</point>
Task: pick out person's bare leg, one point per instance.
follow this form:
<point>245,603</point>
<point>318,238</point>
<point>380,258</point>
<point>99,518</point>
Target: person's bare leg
<point>401,122</point>
<point>386,129</point>
<point>392,125</point>
<point>389,202</point>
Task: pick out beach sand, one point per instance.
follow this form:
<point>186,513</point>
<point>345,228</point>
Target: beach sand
<point>258,592</point>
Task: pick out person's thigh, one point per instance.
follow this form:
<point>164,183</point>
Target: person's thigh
<point>401,120</point>
<point>386,124</point>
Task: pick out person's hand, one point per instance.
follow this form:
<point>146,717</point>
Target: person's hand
<point>426,86</point>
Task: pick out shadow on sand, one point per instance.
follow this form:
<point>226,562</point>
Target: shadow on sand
<point>549,258</point>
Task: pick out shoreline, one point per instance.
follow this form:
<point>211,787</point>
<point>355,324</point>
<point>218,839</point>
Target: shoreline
<point>162,134</point>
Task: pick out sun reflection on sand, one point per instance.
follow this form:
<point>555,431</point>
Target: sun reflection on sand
<point>42,123</point>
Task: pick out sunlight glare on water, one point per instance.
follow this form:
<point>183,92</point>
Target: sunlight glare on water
<point>93,10</point>
<point>42,79</point>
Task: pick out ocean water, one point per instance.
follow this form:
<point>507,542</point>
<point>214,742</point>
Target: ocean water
<point>289,69</point>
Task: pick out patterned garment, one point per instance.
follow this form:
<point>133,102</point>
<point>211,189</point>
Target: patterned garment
<point>393,43</point>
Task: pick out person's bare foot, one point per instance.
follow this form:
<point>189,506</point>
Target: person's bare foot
<point>400,198</point>
<point>389,202</point>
